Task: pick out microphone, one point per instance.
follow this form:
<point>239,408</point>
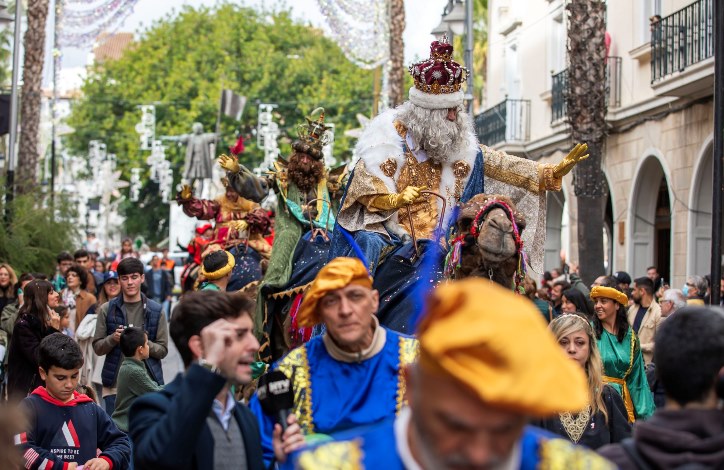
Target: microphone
<point>276,396</point>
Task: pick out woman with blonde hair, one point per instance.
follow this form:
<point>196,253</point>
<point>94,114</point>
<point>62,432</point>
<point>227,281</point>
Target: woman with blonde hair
<point>8,279</point>
<point>604,420</point>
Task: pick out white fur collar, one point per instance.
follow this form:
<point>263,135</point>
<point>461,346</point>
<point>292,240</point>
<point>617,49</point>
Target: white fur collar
<point>380,142</point>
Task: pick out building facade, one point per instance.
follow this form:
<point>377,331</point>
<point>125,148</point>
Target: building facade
<point>658,154</point>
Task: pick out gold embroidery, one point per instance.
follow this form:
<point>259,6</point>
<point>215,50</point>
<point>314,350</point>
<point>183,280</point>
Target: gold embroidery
<point>548,180</point>
<point>558,454</point>
<point>512,170</point>
<point>461,169</point>
<point>409,351</point>
<point>575,427</point>
<point>296,367</point>
<point>342,455</point>
<point>389,167</point>
<point>400,128</point>
<point>424,213</point>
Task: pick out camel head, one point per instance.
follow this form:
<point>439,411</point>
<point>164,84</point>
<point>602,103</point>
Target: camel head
<point>489,249</point>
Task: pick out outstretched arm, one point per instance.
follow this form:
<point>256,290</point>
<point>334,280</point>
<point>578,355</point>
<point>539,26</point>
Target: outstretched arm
<point>204,209</point>
<point>244,182</point>
<point>528,174</point>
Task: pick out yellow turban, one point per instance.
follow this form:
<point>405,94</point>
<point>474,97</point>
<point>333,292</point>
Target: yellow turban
<point>222,271</point>
<point>609,293</point>
<point>338,273</point>
<point>496,343</point>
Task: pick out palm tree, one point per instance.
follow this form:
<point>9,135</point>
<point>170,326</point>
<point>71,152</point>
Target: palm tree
<point>587,107</point>
<point>34,42</point>
<point>396,77</point>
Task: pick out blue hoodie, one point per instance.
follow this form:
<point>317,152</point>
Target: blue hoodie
<point>61,433</point>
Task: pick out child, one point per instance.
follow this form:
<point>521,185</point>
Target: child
<point>133,378</point>
<point>65,427</point>
<point>64,313</point>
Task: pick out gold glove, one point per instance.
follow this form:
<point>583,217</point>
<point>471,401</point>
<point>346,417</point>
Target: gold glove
<point>239,225</point>
<point>576,155</point>
<point>388,202</point>
<point>230,164</point>
<point>186,192</point>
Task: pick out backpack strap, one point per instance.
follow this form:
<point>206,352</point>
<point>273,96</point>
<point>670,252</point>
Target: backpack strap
<point>629,446</point>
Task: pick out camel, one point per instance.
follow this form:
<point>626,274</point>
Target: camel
<point>488,241</point>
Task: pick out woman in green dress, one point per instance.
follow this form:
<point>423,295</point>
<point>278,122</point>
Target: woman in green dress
<point>623,364</point>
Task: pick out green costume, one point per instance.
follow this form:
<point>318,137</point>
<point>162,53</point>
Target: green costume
<point>624,370</point>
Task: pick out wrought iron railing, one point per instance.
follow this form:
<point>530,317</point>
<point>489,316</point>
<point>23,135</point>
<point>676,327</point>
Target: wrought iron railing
<point>507,121</point>
<point>682,39</point>
<point>559,89</point>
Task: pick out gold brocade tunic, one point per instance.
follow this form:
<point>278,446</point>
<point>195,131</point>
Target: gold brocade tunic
<point>424,214</point>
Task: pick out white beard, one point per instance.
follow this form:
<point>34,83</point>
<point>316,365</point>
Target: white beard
<point>431,131</point>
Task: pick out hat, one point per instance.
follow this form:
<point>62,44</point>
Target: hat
<point>220,272</point>
<point>438,80</point>
<point>466,335</point>
<point>312,136</point>
<point>622,277</point>
<point>108,276</point>
<point>203,228</point>
<point>337,274</point>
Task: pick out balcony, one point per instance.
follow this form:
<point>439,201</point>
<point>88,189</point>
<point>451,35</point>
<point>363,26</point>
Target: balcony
<point>506,122</point>
<point>682,51</point>
<point>559,89</point>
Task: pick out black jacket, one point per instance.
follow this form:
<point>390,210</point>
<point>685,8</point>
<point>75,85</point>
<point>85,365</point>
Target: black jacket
<point>23,375</point>
<point>673,438</point>
<point>169,430</point>
<point>598,432</point>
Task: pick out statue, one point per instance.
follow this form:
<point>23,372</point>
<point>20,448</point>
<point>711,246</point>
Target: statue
<point>198,154</point>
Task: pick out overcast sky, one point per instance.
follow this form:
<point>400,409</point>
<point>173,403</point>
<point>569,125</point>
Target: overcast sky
<point>421,17</point>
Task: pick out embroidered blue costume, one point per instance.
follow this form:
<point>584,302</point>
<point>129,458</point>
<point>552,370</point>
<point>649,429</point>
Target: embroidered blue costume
<point>384,446</point>
<point>332,395</point>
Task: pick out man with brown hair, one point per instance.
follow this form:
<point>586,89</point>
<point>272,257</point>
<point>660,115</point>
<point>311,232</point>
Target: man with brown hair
<point>195,422</point>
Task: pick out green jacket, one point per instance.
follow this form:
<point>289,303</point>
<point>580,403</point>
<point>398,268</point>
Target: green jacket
<point>133,381</point>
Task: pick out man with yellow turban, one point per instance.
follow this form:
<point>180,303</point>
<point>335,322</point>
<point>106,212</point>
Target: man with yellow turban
<point>487,365</point>
<point>352,375</point>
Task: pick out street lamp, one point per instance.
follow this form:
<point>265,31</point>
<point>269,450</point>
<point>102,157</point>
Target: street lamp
<point>457,18</point>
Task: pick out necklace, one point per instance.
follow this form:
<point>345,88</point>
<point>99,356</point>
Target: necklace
<point>575,426</point>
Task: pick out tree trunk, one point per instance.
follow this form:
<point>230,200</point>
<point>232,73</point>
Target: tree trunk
<point>587,107</point>
<point>34,43</point>
<point>396,78</point>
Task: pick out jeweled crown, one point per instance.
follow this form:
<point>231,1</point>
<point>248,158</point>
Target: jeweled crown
<point>439,73</point>
<point>312,135</point>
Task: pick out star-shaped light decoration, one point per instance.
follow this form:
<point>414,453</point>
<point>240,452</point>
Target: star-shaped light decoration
<point>363,123</point>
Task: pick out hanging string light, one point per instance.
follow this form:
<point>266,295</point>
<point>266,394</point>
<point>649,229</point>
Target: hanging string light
<point>361,28</point>
<point>81,26</point>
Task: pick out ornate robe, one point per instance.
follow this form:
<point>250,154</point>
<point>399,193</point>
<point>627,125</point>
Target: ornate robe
<point>388,163</point>
<point>223,211</point>
<point>385,446</point>
<point>624,370</point>
<point>331,395</point>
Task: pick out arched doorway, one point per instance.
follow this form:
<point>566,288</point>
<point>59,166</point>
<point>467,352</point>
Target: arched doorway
<point>650,221</point>
<point>700,216</point>
<point>558,230</point>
